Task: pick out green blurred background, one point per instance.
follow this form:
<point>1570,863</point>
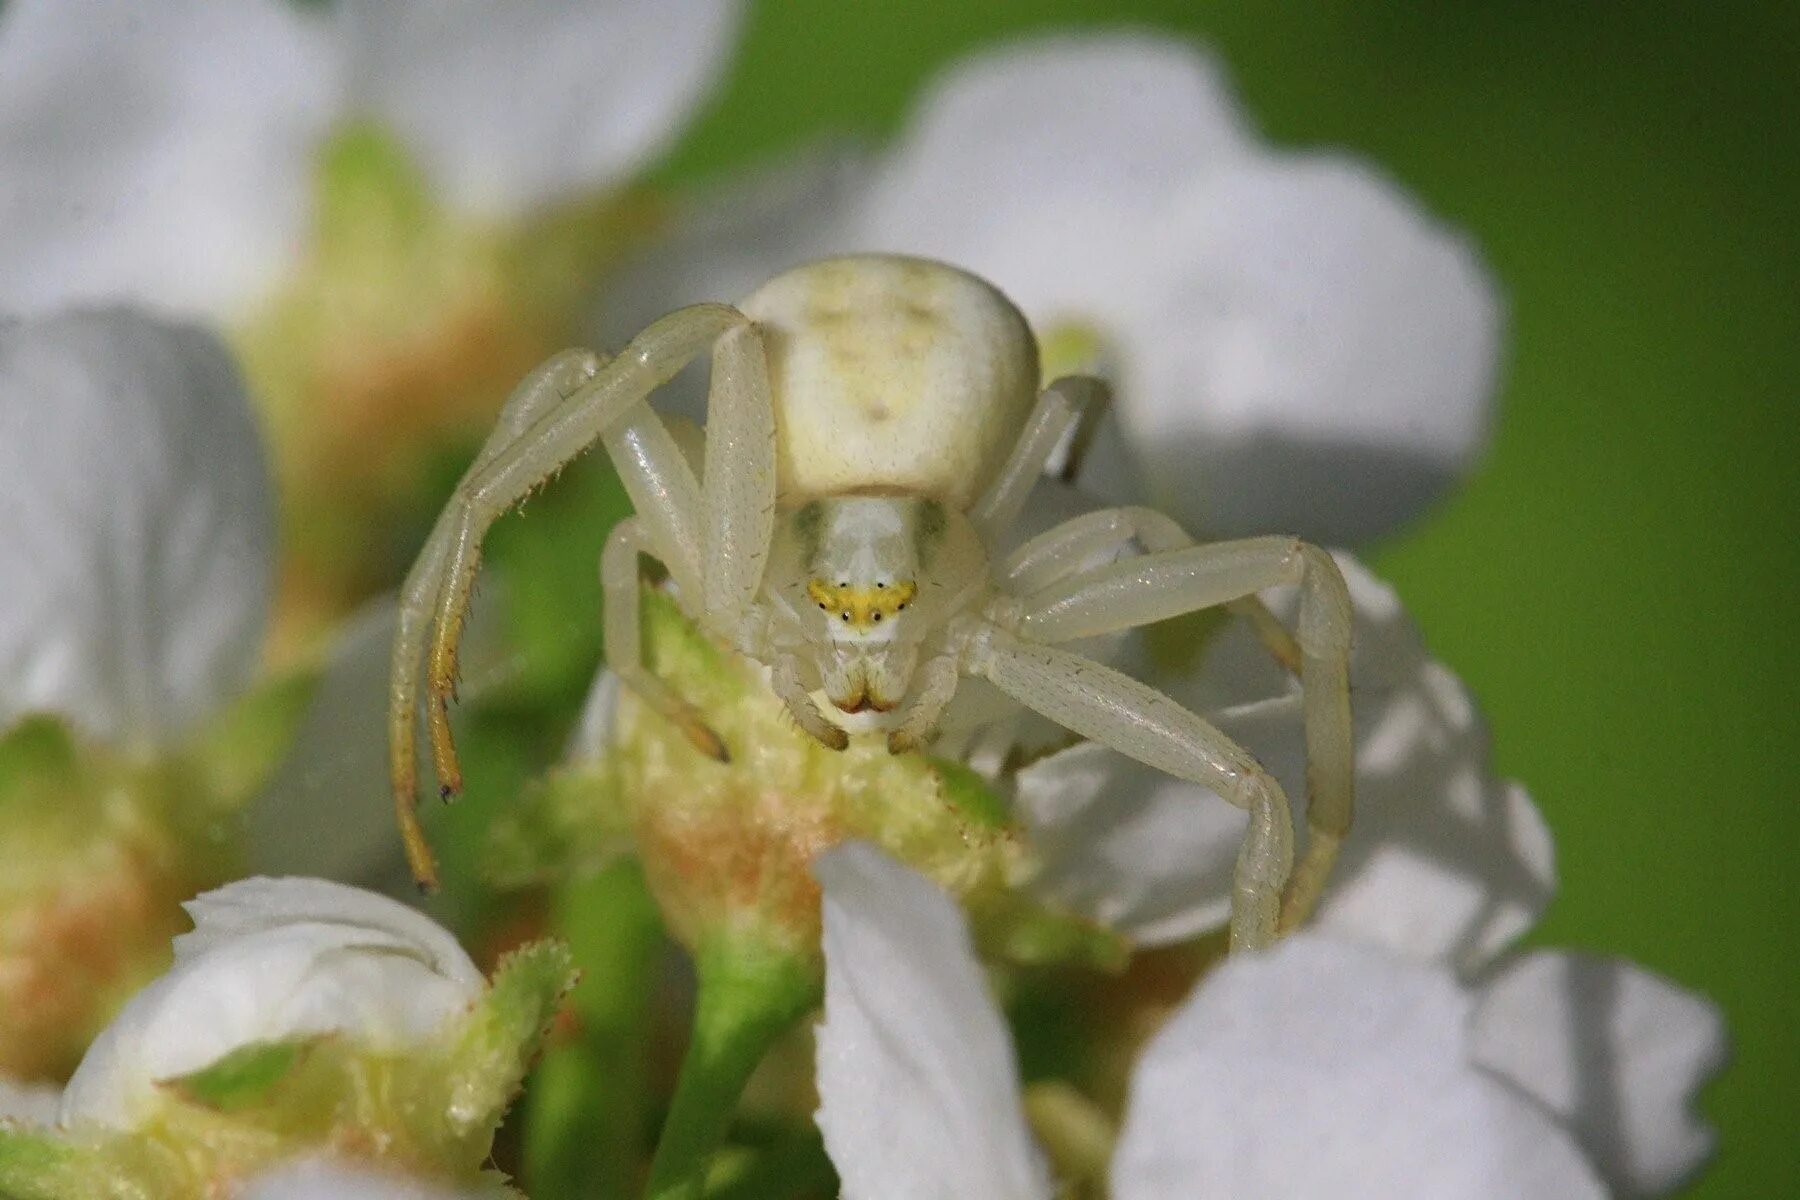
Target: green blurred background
<point>1617,582</point>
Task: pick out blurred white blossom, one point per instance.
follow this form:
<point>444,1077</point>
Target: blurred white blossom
<point>1298,346</point>
<point>165,156</point>
<point>311,1039</point>
<point>272,960</point>
<point>1320,1067</point>
<point>136,525</point>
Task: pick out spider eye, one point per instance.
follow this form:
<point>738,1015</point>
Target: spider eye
<point>821,606</point>
<point>878,616</point>
<point>846,616</point>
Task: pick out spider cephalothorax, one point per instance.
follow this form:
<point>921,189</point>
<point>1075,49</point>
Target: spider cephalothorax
<point>874,429</point>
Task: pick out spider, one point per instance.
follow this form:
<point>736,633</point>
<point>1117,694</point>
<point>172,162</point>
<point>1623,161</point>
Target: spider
<point>874,426</point>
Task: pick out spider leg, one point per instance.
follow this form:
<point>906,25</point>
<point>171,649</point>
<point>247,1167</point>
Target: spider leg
<point>541,430</point>
<point>540,391</point>
<point>624,637</point>
<point>1060,551</point>
<point>1112,708</point>
<point>1150,588</point>
<point>937,685</point>
<point>785,680</point>
<point>1056,412</point>
<point>738,483</point>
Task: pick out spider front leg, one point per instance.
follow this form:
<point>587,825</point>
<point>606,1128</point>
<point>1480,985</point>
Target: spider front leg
<point>541,430</point>
<point>542,390</point>
<point>937,685</point>
<point>1059,552</point>
<point>713,534</point>
<point>1154,587</point>
<point>619,584</point>
<point>1112,708</point>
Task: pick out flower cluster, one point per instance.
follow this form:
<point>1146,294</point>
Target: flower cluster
<point>385,212</point>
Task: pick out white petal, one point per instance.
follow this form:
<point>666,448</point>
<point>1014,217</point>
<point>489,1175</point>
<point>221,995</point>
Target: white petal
<point>327,810</point>
<point>252,909</point>
<point>272,959</point>
<point>136,524</point>
<point>919,1091</point>
<point>1318,357</point>
<point>1615,1051</point>
<point>1127,846</point>
<point>29,1103</point>
<point>728,241</point>
<point>1082,137</point>
<point>1300,349</point>
<point>593,732</point>
<point>162,157</point>
<point>1326,1069</point>
<point>1444,861</point>
<point>323,1179</point>
<point>517,103</point>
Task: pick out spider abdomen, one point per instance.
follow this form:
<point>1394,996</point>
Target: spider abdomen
<point>892,373</point>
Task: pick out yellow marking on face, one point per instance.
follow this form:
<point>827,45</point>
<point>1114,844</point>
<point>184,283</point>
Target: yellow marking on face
<point>862,607</point>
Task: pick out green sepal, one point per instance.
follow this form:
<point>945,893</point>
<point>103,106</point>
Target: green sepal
<point>503,1035</point>
<point>39,1166</point>
<point>245,1078</point>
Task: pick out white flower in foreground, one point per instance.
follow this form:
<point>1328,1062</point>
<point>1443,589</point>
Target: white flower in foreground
<point>167,158</point>
<point>1446,865</point>
<point>1319,1068</point>
<point>301,1019</point>
<point>273,960</point>
<point>1298,347</point>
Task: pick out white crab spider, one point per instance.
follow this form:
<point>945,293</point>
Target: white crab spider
<point>873,429</point>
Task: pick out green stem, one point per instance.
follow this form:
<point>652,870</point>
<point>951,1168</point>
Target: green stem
<point>748,997</point>
<point>585,1111</point>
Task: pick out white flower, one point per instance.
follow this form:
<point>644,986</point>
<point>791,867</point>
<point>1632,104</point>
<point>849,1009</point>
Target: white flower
<point>165,157</point>
<point>1319,1068</point>
<point>1446,865</point>
<point>272,960</point>
<point>136,531</point>
<point>1298,347</point>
